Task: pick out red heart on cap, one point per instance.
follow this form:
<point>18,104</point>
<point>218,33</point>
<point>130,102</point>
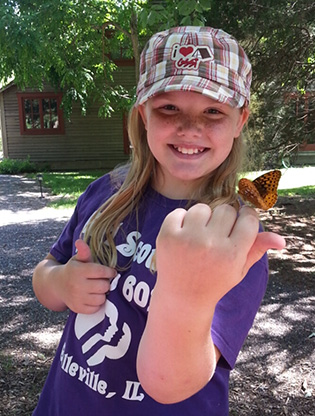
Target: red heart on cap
<point>186,50</point>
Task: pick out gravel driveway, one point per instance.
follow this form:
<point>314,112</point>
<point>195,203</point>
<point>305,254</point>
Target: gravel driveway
<point>27,229</point>
<point>28,332</point>
<point>275,370</point>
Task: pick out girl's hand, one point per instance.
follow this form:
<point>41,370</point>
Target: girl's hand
<point>82,284</point>
<point>202,254</point>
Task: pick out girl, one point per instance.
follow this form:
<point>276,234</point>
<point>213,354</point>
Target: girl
<point>163,275</point>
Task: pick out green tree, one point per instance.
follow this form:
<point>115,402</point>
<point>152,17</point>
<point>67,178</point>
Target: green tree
<point>279,39</point>
<point>67,43</point>
<point>73,44</point>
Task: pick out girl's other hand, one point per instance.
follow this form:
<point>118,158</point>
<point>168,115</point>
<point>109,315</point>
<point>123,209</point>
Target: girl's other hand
<point>80,284</point>
<point>83,284</point>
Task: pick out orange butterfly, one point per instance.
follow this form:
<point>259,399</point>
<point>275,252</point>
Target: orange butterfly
<point>262,191</point>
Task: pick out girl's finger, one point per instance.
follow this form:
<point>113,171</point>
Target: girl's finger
<point>222,220</point>
<point>263,242</point>
<point>173,222</point>
<point>246,228</point>
<point>83,252</point>
<point>197,216</point>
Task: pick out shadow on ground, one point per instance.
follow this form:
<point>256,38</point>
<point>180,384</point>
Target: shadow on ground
<point>275,369</point>
<point>28,332</point>
<point>23,191</point>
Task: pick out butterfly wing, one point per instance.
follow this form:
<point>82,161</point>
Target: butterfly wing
<point>262,192</point>
<point>249,193</point>
<point>267,186</point>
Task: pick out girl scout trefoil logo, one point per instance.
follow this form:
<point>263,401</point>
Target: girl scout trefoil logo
<point>190,56</point>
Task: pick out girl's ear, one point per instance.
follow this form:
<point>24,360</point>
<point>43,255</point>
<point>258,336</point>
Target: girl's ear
<point>242,120</point>
<point>141,109</point>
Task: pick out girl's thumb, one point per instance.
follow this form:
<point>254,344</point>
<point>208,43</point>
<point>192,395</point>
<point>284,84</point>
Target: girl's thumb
<point>264,242</point>
<point>83,252</point>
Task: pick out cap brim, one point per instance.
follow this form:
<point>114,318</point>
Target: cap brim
<point>200,85</point>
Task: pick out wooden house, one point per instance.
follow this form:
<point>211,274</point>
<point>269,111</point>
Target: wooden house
<point>304,108</point>
<point>33,126</point>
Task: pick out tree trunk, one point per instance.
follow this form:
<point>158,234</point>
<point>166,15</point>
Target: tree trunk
<point>135,42</point>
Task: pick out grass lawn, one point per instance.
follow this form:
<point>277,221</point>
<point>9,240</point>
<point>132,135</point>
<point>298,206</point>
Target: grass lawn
<point>70,185</point>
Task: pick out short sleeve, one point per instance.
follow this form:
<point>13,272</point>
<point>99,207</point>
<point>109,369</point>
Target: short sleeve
<point>236,311</point>
<point>93,197</point>
<point>62,249</point>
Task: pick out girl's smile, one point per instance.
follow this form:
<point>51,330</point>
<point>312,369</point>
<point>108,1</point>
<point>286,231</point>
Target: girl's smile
<point>189,135</point>
<point>189,150</point>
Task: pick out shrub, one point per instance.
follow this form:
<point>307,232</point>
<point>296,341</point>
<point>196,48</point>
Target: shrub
<point>16,166</point>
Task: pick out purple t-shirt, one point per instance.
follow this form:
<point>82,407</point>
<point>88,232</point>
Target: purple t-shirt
<point>94,371</point>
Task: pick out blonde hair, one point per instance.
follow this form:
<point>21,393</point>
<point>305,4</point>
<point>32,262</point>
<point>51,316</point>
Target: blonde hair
<point>217,189</point>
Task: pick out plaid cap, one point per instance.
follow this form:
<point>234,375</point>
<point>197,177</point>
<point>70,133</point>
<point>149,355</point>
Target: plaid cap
<point>192,58</point>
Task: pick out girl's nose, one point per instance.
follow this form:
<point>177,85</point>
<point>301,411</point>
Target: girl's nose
<point>189,126</point>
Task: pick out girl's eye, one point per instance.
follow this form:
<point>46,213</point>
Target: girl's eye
<point>169,107</point>
<point>212,111</point>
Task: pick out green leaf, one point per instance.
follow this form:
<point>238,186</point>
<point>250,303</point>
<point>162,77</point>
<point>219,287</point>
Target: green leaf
<point>185,8</point>
<point>153,17</point>
<point>143,17</point>
<point>186,21</point>
<point>205,4</point>
<point>198,22</point>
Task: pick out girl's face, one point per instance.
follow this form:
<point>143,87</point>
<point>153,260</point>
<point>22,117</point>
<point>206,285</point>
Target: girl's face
<point>189,135</point>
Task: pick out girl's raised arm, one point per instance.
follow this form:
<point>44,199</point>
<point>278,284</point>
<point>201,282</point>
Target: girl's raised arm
<point>201,255</point>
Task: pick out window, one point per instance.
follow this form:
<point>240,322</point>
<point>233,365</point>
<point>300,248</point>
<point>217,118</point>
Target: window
<point>40,113</point>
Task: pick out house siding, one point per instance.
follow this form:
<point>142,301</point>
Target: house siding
<point>89,141</point>
<point>3,130</point>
